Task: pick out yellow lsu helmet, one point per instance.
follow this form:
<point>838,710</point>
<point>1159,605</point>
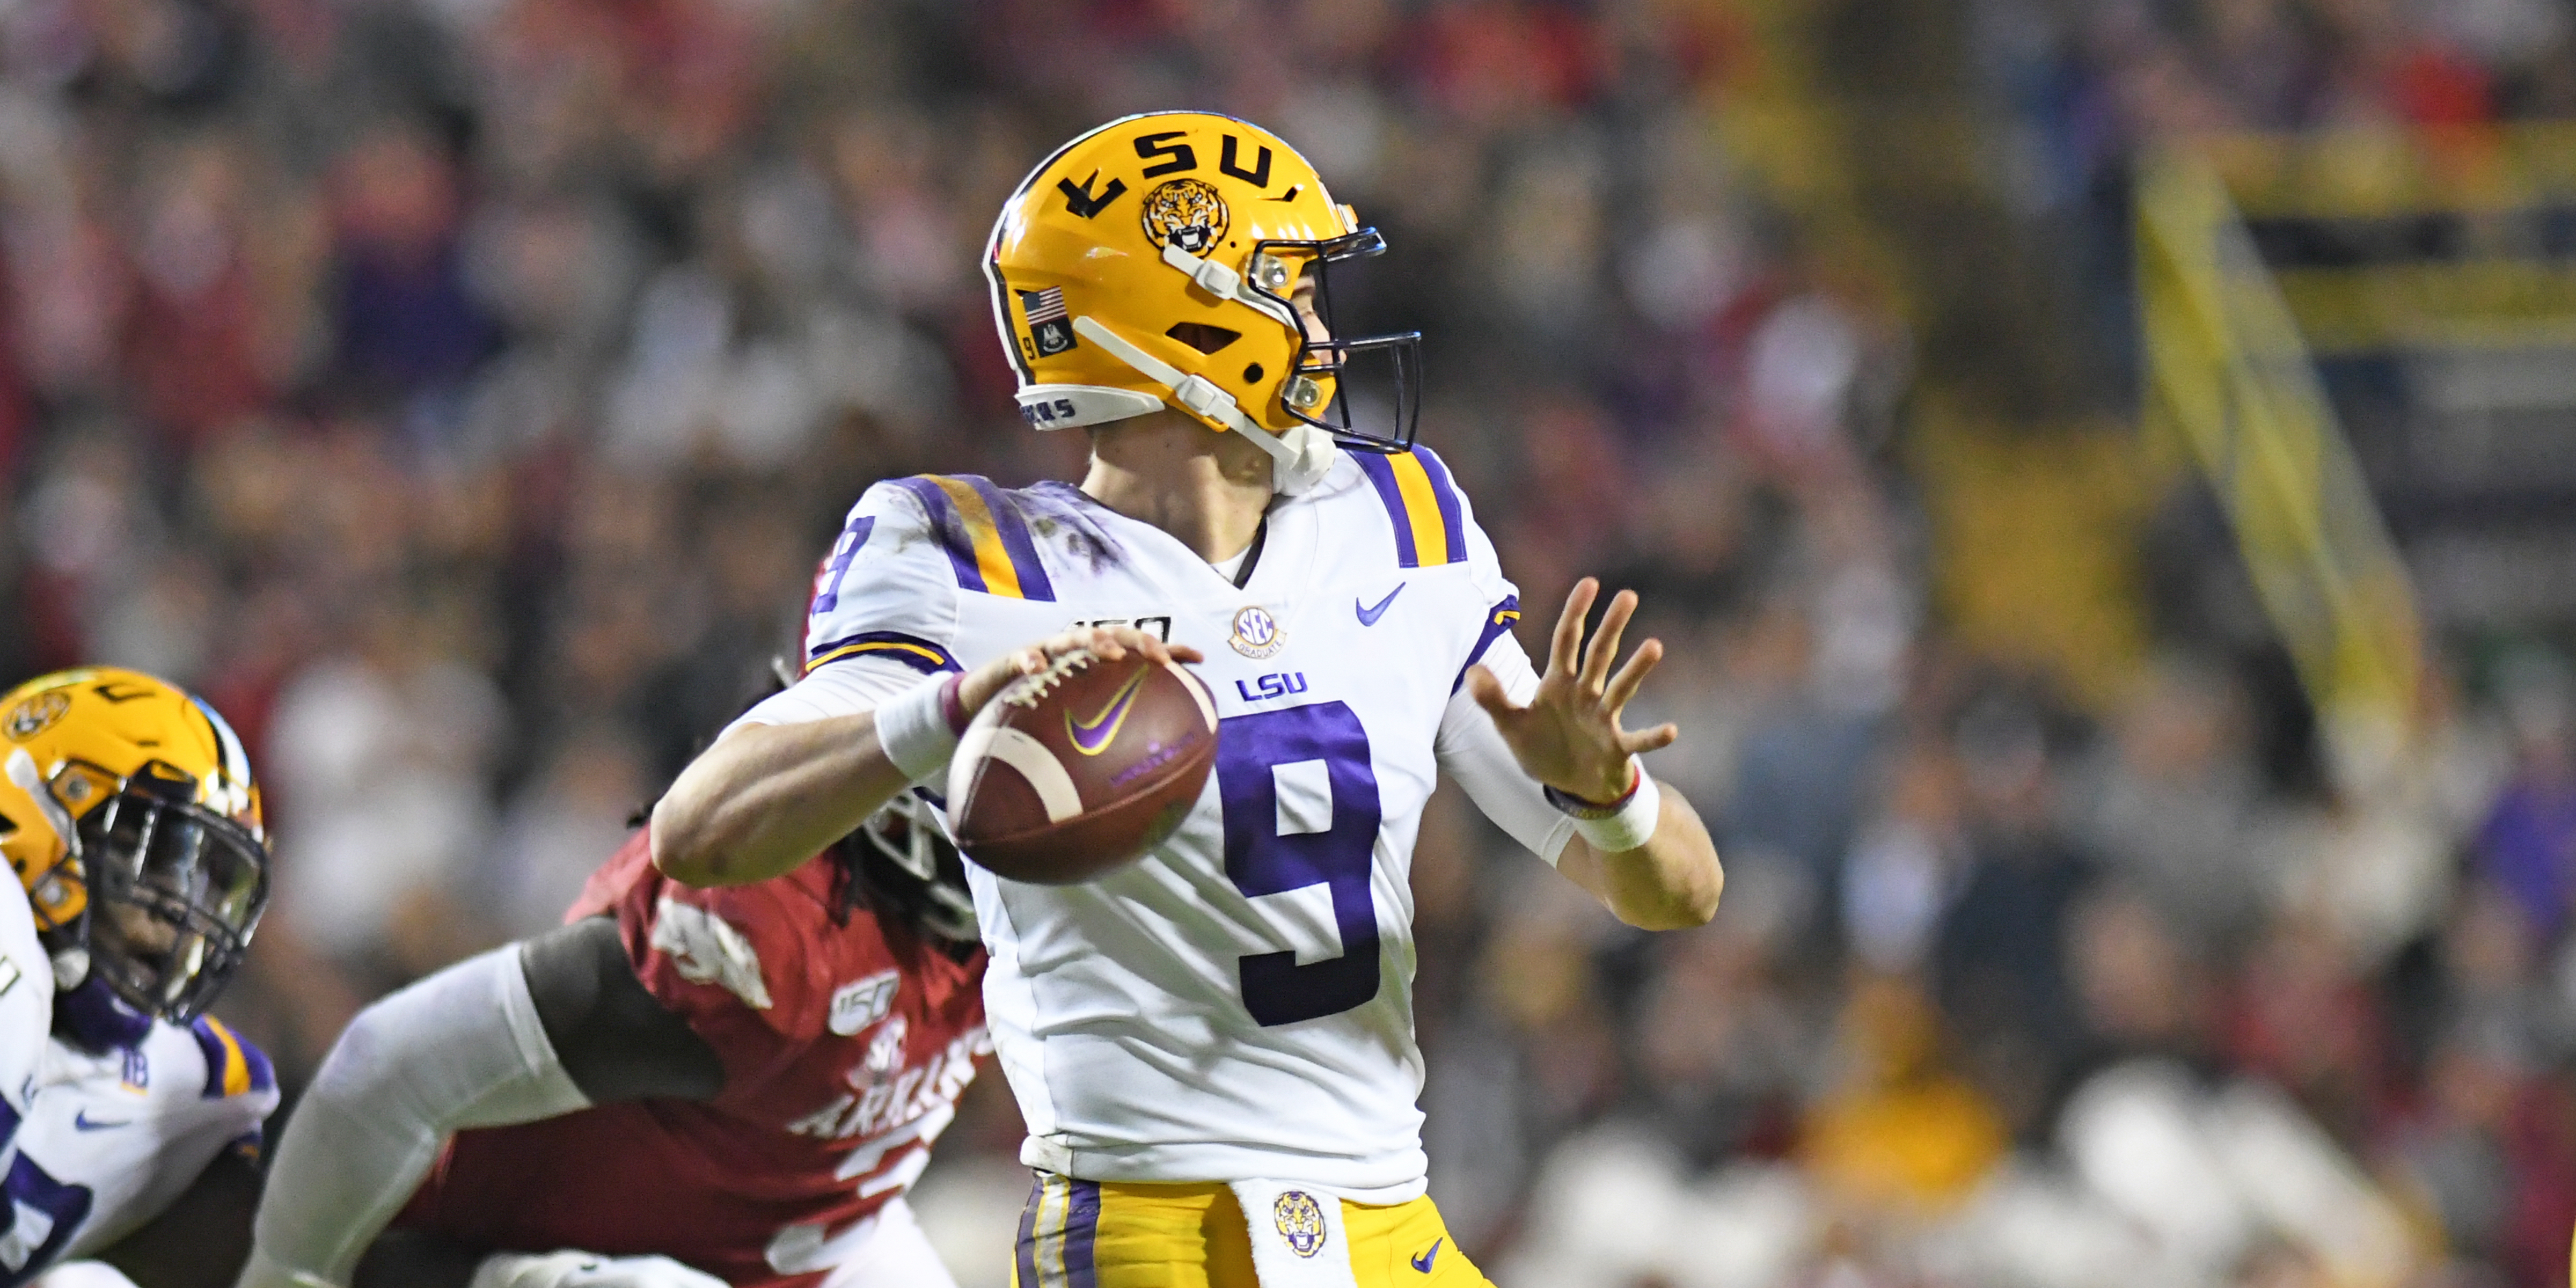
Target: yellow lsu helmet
<point>128,812</point>
<point>1158,261</point>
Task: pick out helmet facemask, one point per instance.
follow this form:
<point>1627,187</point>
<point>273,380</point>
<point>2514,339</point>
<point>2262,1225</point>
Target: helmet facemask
<point>1315,391</point>
<point>175,891</point>
<point>909,858</point>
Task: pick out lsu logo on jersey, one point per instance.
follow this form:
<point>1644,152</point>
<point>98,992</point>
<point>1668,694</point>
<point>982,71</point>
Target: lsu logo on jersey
<point>1301,1222</point>
<point>1282,684</point>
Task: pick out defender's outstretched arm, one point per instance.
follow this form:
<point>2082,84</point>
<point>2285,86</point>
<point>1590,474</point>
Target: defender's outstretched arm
<point>547,1027</point>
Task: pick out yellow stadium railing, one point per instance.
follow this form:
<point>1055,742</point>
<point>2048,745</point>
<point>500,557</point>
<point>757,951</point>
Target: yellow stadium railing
<point>2494,185</point>
<point>2228,372</point>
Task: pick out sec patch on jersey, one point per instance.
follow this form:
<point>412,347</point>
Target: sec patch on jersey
<point>1081,768</point>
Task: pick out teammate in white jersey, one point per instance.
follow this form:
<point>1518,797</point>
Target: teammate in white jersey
<point>26,999</point>
<point>1213,1048</point>
<point>129,1119</point>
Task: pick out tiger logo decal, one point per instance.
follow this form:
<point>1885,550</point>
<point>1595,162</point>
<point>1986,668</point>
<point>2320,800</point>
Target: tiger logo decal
<point>1186,213</point>
<point>1301,1222</point>
<point>37,714</point>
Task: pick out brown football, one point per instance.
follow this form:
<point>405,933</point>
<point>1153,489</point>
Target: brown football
<point>1081,768</point>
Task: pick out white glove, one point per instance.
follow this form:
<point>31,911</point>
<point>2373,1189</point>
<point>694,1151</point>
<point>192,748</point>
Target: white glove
<point>572,1269</point>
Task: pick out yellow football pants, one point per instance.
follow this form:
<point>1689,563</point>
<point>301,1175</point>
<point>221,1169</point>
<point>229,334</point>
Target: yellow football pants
<point>1110,1234</point>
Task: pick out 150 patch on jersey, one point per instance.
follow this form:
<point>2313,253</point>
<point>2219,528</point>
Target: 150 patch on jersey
<point>861,1003</point>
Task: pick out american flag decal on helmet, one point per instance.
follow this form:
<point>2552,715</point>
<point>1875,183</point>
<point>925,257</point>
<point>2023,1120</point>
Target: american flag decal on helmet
<point>1043,306</point>
<point>1048,328</point>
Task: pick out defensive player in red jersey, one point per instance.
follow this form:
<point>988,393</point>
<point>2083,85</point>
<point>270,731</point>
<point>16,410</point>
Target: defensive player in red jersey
<point>679,1089</point>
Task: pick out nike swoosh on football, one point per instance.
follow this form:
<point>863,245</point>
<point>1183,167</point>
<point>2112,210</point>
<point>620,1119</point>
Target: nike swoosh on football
<point>1369,616</point>
<point>1423,1262</point>
<point>81,1122</point>
<point>1093,736</point>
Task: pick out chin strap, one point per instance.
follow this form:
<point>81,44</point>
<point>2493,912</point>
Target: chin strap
<point>1299,457</point>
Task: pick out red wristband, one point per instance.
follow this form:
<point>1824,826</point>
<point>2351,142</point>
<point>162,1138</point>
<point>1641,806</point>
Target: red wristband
<point>951,705</point>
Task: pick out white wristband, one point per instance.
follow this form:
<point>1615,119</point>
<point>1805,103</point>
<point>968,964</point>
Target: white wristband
<point>1632,826</point>
<point>913,729</point>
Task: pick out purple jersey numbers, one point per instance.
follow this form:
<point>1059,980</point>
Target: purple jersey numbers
<point>845,550</point>
<point>38,1214</point>
<point>1250,749</point>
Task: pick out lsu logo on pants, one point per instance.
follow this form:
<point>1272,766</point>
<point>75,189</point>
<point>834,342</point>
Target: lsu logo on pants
<point>1301,1222</point>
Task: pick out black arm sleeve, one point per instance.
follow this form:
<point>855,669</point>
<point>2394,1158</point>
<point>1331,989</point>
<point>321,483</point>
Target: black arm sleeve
<point>417,1259</point>
<point>201,1239</point>
<point>614,1039</point>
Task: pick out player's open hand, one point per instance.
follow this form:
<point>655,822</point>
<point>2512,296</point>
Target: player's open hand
<point>1108,643</point>
<point>1568,737</point>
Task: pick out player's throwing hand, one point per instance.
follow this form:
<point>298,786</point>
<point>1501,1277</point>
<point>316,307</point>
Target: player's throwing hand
<point>1568,737</point>
<point>1108,643</point>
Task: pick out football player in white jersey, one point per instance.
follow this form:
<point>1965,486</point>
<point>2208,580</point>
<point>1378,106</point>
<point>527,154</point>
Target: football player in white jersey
<point>129,817</point>
<point>1213,1048</point>
<point>26,998</point>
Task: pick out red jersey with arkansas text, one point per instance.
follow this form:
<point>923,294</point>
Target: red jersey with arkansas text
<point>845,1046</point>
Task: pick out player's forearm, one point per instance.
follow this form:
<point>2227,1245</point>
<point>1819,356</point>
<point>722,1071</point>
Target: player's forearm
<point>1672,882</point>
<point>462,1048</point>
<point>766,798</point>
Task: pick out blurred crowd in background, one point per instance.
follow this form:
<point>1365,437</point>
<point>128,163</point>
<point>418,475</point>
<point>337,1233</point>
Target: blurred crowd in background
<point>459,393</point>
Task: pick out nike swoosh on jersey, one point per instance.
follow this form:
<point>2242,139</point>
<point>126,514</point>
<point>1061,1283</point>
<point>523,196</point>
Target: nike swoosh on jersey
<point>1423,1262</point>
<point>81,1122</point>
<point>1093,736</point>
<point>1369,616</point>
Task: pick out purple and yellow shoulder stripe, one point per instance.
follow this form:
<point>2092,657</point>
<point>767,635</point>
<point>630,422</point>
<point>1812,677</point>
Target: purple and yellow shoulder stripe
<point>1501,619</point>
<point>233,1066</point>
<point>911,650</point>
<point>985,535</point>
<point>1430,526</point>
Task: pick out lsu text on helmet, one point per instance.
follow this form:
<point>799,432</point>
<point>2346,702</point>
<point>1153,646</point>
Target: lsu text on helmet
<point>1167,259</point>
<point>129,815</point>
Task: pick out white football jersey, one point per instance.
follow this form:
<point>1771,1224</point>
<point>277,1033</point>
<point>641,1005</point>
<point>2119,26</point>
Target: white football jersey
<point>26,1014</point>
<point>1237,1005</point>
<point>109,1140</point>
